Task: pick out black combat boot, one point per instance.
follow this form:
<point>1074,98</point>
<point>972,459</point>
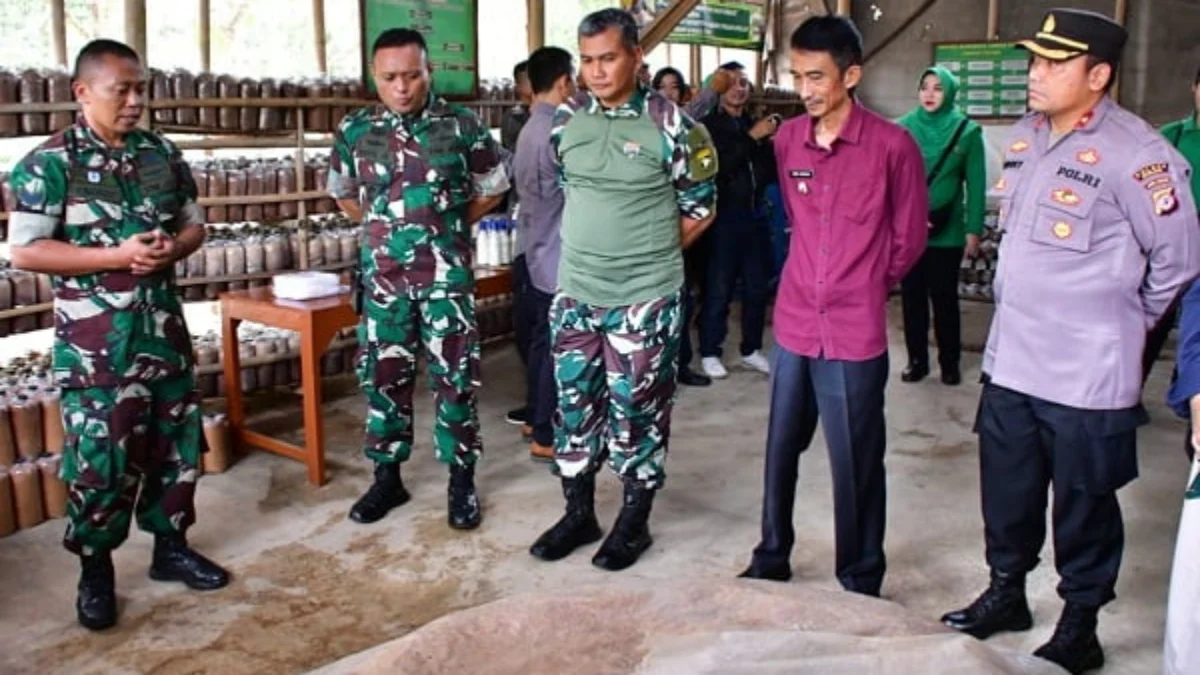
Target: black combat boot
<point>464,511</point>
<point>577,527</point>
<point>1074,645</point>
<point>174,561</point>
<point>96,606</point>
<point>1002,607</point>
<point>630,536</point>
<point>385,494</point>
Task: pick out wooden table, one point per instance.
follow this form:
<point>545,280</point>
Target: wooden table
<point>317,321</point>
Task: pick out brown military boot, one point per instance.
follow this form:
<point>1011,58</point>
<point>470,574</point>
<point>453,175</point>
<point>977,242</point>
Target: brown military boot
<point>541,453</point>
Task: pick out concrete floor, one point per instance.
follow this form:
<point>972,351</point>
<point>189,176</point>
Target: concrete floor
<point>311,587</point>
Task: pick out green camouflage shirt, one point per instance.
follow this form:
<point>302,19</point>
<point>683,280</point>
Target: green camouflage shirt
<point>414,176</point>
<point>111,327</point>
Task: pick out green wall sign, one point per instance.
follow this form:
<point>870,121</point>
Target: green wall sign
<point>993,76</point>
<point>450,28</point>
<point>735,25</point>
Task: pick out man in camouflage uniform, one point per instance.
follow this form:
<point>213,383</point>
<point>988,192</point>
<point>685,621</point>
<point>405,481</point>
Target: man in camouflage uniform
<point>107,209</point>
<point>417,171</point>
<point>638,178</point>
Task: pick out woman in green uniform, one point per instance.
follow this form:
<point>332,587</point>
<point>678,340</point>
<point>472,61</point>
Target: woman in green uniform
<point>952,146</point>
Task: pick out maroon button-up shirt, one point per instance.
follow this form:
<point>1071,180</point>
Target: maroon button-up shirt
<point>859,219</point>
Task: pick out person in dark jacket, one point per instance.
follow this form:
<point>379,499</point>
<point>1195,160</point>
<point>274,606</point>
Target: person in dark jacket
<point>738,246</point>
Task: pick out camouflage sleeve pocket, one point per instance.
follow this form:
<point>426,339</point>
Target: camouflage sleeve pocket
<point>90,459</point>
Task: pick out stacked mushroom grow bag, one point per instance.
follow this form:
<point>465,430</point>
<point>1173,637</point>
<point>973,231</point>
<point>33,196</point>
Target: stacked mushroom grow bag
<point>31,446</point>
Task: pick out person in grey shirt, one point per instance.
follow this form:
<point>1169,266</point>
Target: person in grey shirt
<point>552,77</point>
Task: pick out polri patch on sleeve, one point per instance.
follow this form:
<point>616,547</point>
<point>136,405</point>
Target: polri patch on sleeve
<point>1165,201</point>
<point>800,173</point>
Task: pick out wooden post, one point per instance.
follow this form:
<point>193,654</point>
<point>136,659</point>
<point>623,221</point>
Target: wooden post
<point>135,27</point>
<point>536,27</point>
<point>993,21</point>
<point>205,36</point>
<point>697,69</point>
<point>319,35</point>
<point>843,7</point>
<point>1121,16</point>
<point>58,22</point>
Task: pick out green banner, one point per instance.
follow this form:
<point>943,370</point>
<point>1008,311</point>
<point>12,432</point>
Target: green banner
<point>993,76</point>
<point>736,25</point>
<point>449,27</point>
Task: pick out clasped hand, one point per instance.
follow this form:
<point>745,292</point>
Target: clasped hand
<point>148,253</point>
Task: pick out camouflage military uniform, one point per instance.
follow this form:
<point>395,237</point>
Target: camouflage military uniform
<point>122,352</point>
<point>629,174</point>
<point>414,177</point>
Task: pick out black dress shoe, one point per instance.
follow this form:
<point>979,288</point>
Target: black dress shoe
<point>174,561</point>
<point>630,536</point>
<point>1074,645</point>
<point>96,605</point>
<point>577,527</point>
<point>518,416</point>
<point>915,372</point>
<point>951,377</point>
<point>767,572</point>
<point>690,378</point>
<point>1002,607</point>
<point>386,493</point>
<point>464,512</point>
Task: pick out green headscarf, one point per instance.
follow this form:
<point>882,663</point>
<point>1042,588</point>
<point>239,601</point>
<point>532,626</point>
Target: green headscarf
<point>933,130</point>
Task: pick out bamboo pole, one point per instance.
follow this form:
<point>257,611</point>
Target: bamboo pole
<point>843,7</point>
<point>993,20</point>
<point>58,23</point>
<point>318,8</point>
<point>536,27</point>
<point>205,36</point>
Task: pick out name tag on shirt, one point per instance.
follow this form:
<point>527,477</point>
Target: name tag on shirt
<point>801,176</point>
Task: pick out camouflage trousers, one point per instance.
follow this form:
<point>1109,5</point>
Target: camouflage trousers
<point>134,448</point>
<point>392,333</point>
<point>616,369</point>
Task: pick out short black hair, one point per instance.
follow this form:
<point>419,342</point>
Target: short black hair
<point>656,82</point>
<point>546,66</point>
<point>520,69</point>
<point>732,65</point>
<point>597,22</point>
<point>1093,61</point>
<point>399,37</point>
<point>96,50</point>
<point>835,35</point>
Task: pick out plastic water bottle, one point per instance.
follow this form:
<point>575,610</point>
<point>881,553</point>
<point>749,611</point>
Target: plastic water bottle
<point>496,246</point>
<point>482,249</point>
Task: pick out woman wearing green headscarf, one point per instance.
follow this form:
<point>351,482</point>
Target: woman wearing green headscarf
<point>952,146</point>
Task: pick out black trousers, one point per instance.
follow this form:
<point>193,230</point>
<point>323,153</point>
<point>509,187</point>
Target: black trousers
<point>933,279</point>
<point>847,397</point>
<point>1026,445</point>
<point>542,398</point>
<point>735,249</point>
<point>523,309</point>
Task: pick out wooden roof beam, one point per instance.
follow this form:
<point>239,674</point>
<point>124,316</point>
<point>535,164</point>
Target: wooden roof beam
<point>665,22</point>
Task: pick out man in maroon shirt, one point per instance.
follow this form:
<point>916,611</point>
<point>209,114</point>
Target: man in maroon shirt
<point>854,192</point>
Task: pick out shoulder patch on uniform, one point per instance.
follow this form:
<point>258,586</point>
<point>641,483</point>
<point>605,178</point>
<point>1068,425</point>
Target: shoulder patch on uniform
<point>702,164</point>
<point>1159,182</point>
<point>1165,201</point>
<point>1150,170</point>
